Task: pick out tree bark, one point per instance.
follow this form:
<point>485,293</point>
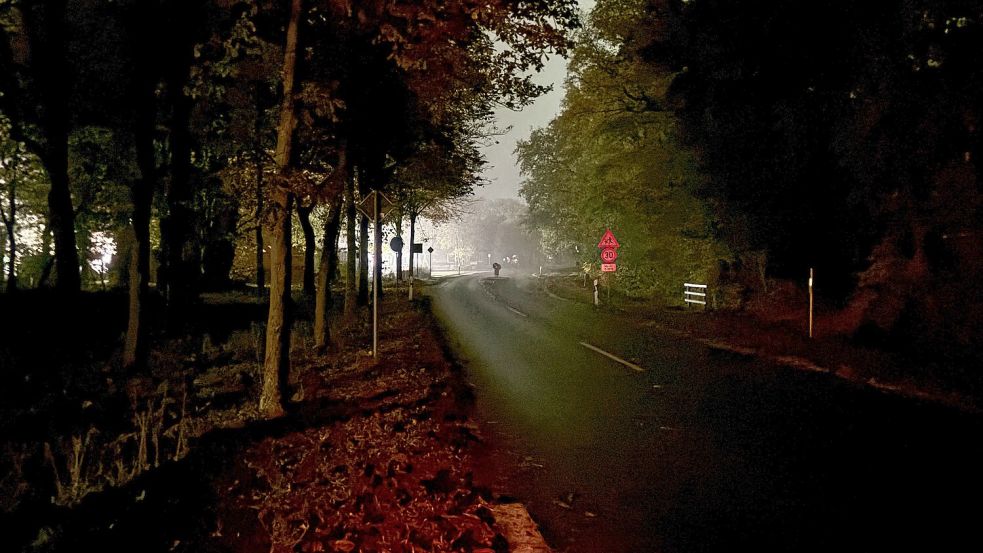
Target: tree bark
<point>218,251</point>
<point>399,254</point>
<point>181,256</point>
<point>377,247</point>
<point>10,223</point>
<point>363,260</point>
<point>141,193</point>
<point>62,218</point>
<point>3,246</point>
<point>310,248</point>
<point>351,291</point>
<point>258,152</point>
<point>326,275</point>
<point>412,241</point>
<point>46,25</point>
<point>49,260</point>
<point>276,365</point>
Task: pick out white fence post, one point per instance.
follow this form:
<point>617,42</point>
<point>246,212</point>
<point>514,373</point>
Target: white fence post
<point>695,293</point>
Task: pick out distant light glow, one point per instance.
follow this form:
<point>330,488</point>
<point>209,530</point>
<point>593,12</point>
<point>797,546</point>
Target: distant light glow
<point>102,249</point>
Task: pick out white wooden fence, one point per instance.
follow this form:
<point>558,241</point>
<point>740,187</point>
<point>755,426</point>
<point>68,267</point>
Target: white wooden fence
<point>695,293</point>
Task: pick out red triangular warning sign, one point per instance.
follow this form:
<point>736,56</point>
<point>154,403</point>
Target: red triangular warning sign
<point>608,241</point>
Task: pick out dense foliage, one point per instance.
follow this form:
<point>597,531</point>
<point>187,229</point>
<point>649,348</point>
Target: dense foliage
<point>613,158</point>
<point>839,136</point>
<point>174,133</point>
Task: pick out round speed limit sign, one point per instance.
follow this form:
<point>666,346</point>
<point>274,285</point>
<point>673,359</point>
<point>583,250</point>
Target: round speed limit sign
<point>609,255</point>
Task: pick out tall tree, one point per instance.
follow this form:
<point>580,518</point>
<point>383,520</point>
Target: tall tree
<point>36,85</point>
<point>351,290</point>
<point>326,274</point>
<point>181,256</point>
<point>304,210</point>
<point>9,168</point>
<point>136,346</point>
<point>276,365</point>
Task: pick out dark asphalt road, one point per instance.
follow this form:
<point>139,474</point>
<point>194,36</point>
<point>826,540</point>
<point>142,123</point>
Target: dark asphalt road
<point>703,451</point>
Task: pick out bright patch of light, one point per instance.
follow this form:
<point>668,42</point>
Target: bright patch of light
<point>102,248</point>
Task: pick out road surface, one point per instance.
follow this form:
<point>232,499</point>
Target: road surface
<point>700,450</point>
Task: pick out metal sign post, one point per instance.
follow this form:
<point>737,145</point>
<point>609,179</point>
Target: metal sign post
<point>375,206</point>
<point>376,270</point>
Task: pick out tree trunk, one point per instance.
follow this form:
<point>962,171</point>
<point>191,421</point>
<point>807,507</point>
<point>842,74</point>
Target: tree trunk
<point>120,265</point>
<point>12,248</point>
<point>412,241</point>
<point>351,292</point>
<point>377,256</point>
<point>399,254</point>
<point>10,223</point>
<point>218,252</point>
<point>181,256</point>
<point>326,275</point>
<point>45,23</point>
<point>259,154</point>
<point>260,270</point>
<point>3,246</point>
<point>62,219</point>
<point>49,260</point>
<point>310,247</point>
<point>142,193</point>
<point>276,365</point>
<point>363,260</point>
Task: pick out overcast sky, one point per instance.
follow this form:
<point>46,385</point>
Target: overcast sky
<point>501,171</point>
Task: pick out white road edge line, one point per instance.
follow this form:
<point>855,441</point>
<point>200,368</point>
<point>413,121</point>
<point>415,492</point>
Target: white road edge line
<point>516,311</point>
<point>613,357</point>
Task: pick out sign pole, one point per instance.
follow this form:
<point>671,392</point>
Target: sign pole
<point>810,302</point>
<point>375,277</point>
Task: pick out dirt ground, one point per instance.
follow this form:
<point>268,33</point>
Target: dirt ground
<point>374,456</point>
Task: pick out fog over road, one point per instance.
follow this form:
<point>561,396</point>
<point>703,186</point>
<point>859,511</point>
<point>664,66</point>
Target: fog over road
<point>702,450</point>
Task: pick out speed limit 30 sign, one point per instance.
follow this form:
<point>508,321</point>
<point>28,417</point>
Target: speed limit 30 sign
<point>609,251</point>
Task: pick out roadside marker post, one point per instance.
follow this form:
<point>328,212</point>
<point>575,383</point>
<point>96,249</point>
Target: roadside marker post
<point>810,301</point>
<point>595,293</point>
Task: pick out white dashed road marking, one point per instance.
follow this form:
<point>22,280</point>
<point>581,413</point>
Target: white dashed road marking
<point>613,357</point>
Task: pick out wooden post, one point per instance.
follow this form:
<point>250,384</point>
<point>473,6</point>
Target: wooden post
<point>810,301</point>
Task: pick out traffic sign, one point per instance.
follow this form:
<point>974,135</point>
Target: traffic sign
<point>608,255</point>
<point>396,244</point>
<point>608,240</point>
<point>367,205</point>
<point>608,267</point>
